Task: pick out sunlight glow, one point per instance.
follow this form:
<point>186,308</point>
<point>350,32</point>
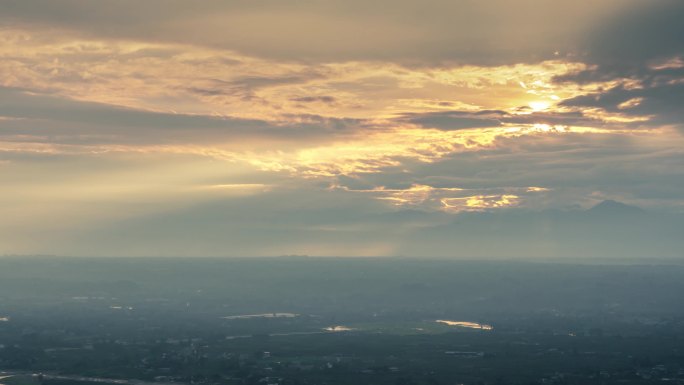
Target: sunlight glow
<point>480,202</point>
<point>539,105</point>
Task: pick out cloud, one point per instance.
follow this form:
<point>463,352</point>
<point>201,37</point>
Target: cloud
<point>315,99</point>
<point>637,55</point>
<point>50,119</point>
<point>637,35</point>
<point>459,31</point>
<point>169,127</point>
<point>308,145</point>
<point>448,199</point>
<point>456,120</point>
<point>655,95</point>
<point>194,80</point>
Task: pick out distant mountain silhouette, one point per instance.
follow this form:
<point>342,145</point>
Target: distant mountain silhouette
<point>612,208</point>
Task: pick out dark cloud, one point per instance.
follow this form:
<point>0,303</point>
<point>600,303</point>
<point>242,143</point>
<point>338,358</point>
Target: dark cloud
<point>315,99</point>
<point>18,103</point>
<point>631,49</point>
<point>572,118</point>
<point>56,119</point>
<point>326,122</point>
<point>457,120</point>
<point>431,31</point>
<point>662,103</point>
<point>573,166</point>
<point>246,87</point>
<point>635,36</point>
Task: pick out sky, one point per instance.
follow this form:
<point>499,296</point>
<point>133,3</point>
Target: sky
<point>434,128</point>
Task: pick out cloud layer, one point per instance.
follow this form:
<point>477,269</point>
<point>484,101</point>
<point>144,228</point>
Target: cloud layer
<point>340,128</point>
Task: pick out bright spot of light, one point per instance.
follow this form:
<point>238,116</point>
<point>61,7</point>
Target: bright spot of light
<point>542,127</point>
<point>539,105</point>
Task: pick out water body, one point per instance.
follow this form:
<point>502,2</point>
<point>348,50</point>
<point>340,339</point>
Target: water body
<point>264,315</point>
<point>330,329</point>
<point>338,328</point>
<point>27,377</point>
<point>465,324</point>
